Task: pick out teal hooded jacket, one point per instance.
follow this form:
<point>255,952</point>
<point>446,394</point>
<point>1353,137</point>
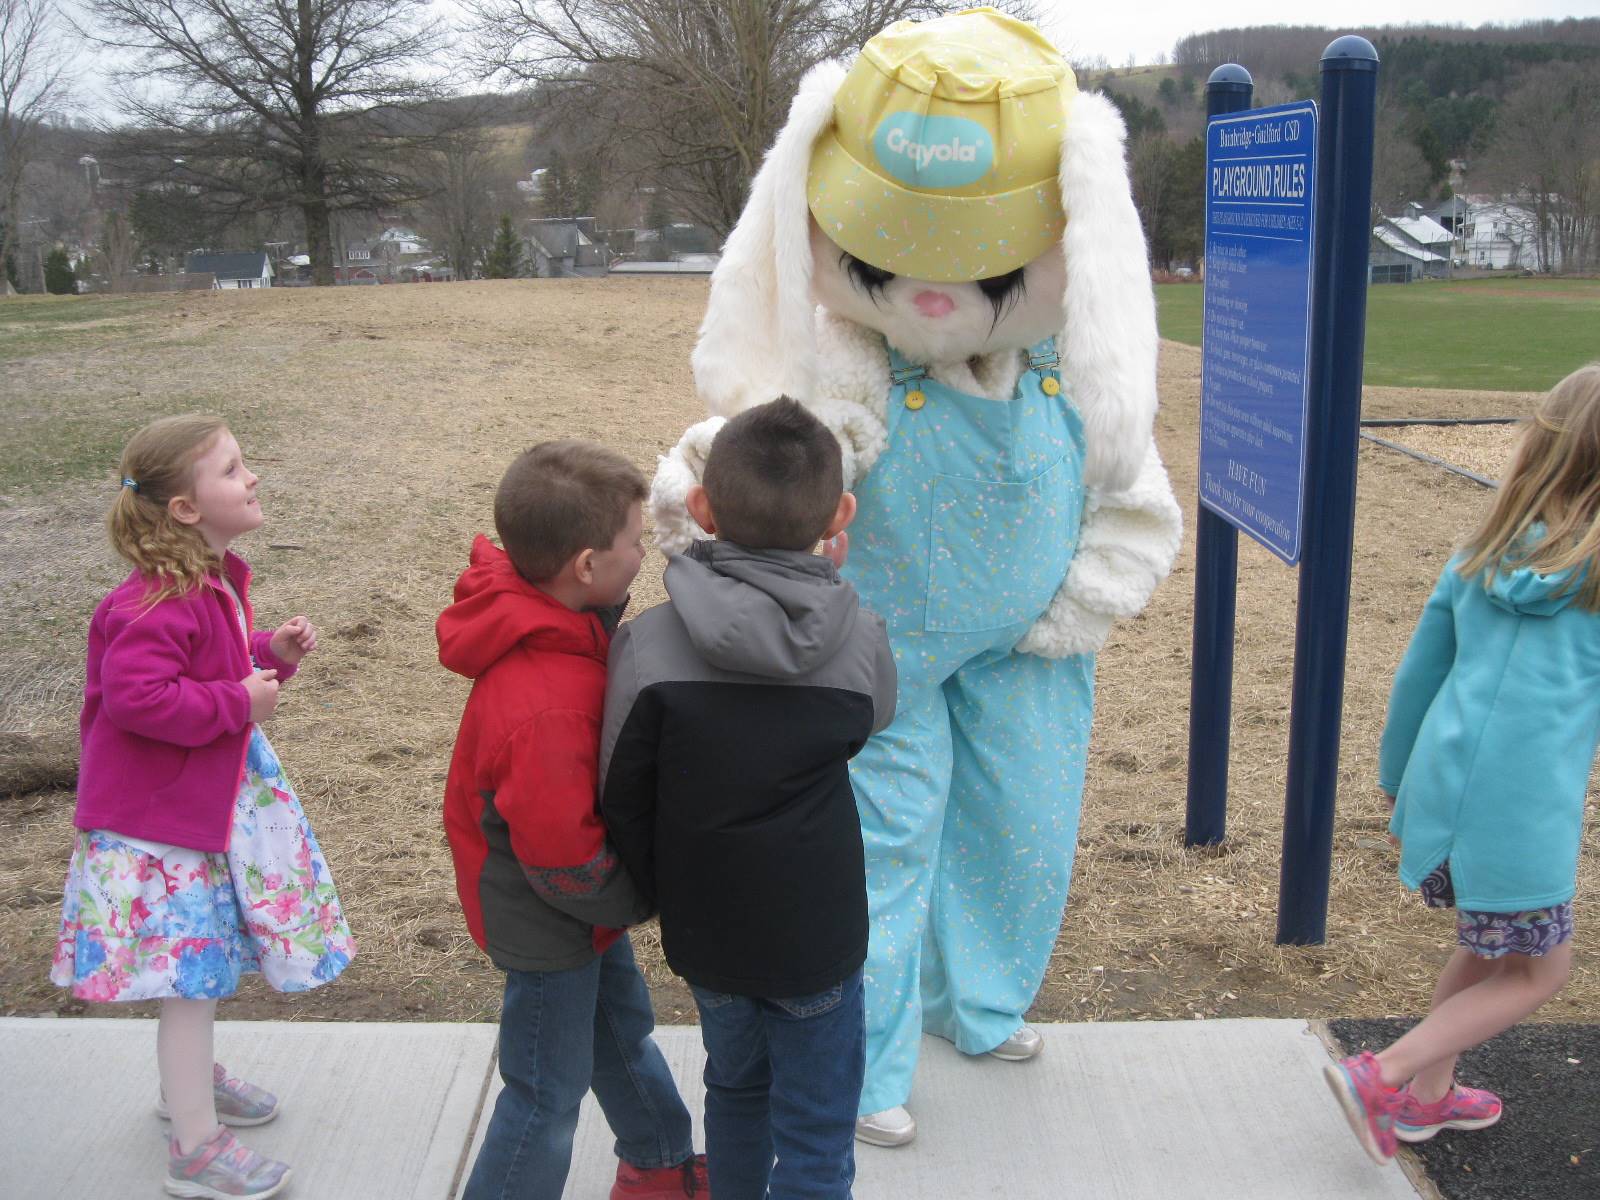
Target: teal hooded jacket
<point>1493,722</point>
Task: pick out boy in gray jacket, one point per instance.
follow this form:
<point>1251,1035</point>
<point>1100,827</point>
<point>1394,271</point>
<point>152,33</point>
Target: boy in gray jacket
<point>732,712</point>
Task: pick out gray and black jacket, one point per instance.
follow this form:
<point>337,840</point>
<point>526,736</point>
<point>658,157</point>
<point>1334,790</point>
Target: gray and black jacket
<point>732,712</point>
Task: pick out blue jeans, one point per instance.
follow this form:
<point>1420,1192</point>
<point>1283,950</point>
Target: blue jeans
<point>783,1077</point>
<point>562,1033</point>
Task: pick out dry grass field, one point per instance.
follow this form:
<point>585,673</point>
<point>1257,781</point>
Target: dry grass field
<point>380,419</point>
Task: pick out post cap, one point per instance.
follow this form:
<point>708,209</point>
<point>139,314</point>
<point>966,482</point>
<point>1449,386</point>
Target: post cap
<point>1230,77</point>
<point>1352,52</point>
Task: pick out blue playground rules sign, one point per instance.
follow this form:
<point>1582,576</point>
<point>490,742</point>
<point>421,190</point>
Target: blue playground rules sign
<point>1260,192</point>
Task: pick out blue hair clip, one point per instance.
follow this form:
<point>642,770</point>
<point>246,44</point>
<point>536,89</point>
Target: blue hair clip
<point>130,483</point>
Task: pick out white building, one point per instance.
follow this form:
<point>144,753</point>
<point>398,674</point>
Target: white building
<point>1495,233</point>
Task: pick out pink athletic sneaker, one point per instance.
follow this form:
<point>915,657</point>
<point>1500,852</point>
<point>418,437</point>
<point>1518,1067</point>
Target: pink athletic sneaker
<point>1357,1084</point>
<point>238,1102</point>
<point>1459,1108</point>
<point>222,1169</point>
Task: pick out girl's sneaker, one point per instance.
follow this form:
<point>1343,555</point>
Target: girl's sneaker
<point>222,1169</point>
<point>238,1103</point>
<point>1459,1108</point>
<point>1369,1105</point>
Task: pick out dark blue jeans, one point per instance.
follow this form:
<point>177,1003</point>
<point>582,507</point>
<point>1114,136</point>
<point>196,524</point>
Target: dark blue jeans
<point>783,1077</point>
<point>561,1034</point>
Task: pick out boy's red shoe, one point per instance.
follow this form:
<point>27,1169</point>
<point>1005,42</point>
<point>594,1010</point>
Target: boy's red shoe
<point>688,1178</point>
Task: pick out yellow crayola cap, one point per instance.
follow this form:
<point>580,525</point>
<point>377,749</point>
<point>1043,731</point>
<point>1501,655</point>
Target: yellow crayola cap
<point>942,159</point>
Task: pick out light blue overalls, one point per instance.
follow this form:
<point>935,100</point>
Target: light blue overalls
<point>969,801</point>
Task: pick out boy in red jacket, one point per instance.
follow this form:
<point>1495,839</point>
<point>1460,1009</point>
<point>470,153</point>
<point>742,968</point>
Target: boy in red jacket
<point>541,888</point>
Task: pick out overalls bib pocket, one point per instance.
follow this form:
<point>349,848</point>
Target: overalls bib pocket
<point>997,551</point>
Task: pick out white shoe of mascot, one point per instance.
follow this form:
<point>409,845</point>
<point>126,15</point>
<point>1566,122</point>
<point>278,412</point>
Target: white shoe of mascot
<point>940,250</point>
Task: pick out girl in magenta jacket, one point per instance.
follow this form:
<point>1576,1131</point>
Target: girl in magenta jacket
<point>194,862</point>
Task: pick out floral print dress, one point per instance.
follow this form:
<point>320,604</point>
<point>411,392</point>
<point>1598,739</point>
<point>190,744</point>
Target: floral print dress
<point>138,925</point>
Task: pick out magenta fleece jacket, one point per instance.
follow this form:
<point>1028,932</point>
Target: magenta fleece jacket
<point>166,720</point>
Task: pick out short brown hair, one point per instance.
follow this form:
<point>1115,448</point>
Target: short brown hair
<point>562,498</point>
<point>774,477</point>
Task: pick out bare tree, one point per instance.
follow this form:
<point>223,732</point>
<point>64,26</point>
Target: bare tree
<point>1399,171</point>
<point>1546,150</point>
<point>34,86</point>
<point>688,93</point>
<point>1151,159</point>
<point>118,251</point>
<point>468,194</point>
<point>302,104</point>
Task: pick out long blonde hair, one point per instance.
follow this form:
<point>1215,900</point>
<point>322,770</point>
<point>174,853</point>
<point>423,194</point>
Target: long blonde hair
<point>1554,479</point>
<point>158,464</point>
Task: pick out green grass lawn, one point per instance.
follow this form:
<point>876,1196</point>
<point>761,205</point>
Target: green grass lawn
<point>1496,334</point>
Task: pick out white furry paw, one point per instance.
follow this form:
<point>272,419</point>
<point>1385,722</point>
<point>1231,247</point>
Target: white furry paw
<point>676,472</point>
<point>1067,628</point>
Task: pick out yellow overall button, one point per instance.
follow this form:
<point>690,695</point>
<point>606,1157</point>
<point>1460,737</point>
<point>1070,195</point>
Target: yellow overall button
<point>1050,385</point>
<point>915,400</point>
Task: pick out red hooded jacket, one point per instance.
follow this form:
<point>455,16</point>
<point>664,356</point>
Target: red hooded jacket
<point>541,888</point>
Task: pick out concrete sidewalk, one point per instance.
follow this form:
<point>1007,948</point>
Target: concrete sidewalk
<point>1231,1110</point>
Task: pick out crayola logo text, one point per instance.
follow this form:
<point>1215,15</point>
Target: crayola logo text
<point>933,152</point>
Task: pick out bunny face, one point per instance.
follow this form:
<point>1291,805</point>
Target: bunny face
<point>942,322</point>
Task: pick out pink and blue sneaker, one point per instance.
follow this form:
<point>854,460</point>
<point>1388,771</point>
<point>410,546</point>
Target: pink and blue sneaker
<point>238,1103</point>
<point>1459,1108</point>
<point>221,1168</point>
<point>1369,1104</point>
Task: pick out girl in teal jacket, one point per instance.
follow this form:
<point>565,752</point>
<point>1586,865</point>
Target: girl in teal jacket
<point>1493,723</point>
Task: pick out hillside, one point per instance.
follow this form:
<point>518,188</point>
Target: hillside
<point>1441,85</point>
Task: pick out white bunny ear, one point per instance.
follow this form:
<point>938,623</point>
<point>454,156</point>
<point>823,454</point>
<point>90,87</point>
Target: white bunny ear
<point>1109,343</point>
<point>756,341</point>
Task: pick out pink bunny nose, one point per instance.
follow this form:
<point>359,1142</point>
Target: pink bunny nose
<point>933,304</point>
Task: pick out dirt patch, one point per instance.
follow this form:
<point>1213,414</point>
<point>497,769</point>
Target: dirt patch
<point>381,419</point>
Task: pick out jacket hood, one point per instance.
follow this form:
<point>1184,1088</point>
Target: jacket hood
<point>496,610</point>
<point>778,613</point>
<point>1524,590</point>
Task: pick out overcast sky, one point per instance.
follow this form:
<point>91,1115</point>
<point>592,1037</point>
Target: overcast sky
<point>1148,28</point>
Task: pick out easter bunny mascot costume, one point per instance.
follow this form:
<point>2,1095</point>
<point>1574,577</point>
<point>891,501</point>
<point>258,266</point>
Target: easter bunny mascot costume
<point>941,259</point>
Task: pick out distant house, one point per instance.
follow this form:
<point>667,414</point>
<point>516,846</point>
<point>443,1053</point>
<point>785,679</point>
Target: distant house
<point>533,186</point>
<point>565,246</point>
<point>1392,258</point>
<point>400,241</point>
<point>243,269</point>
<point>358,252</point>
<point>1502,235</point>
<point>1413,246</point>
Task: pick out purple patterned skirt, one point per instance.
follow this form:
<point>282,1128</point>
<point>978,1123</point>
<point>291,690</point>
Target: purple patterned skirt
<point>1494,935</point>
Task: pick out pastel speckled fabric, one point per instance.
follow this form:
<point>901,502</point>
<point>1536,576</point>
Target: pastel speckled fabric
<point>969,801</point>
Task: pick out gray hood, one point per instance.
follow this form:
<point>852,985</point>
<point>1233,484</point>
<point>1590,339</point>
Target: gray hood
<point>779,613</point>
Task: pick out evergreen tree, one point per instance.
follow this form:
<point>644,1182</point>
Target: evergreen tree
<point>504,260</point>
<point>58,277</point>
<point>556,197</point>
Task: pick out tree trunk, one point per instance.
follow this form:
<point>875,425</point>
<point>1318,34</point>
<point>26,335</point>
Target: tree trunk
<point>319,241</point>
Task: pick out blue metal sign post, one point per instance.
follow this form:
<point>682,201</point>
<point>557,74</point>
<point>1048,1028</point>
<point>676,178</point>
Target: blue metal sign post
<point>1260,223</point>
<point>1280,417</point>
<point>1216,559</point>
<point>1344,232</point>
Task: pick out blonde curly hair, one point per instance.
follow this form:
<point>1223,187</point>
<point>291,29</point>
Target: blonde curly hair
<point>158,464</point>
